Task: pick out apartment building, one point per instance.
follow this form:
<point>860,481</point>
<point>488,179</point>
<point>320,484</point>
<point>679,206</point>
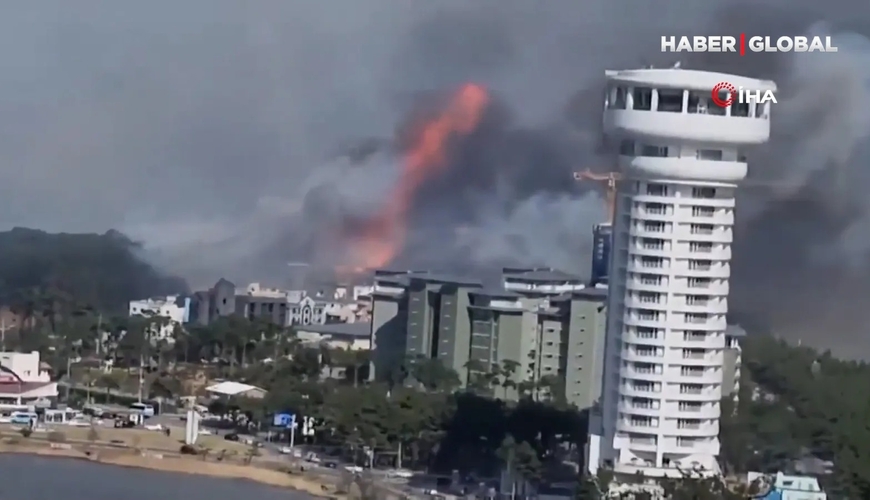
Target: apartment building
<point>419,314</point>
<point>547,322</point>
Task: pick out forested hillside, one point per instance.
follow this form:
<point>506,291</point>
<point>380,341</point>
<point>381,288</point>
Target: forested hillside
<point>805,402</point>
<point>100,270</point>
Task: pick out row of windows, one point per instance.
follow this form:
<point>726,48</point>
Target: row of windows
<point>661,298</point>
<point>661,263</point>
<point>703,193</point>
<point>698,318</point>
<point>645,332</point>
<point>645,386</point>
<point>655,226</point>
<point>628,147</point>
<point>660,245</point>
<point>680,101</point>
<point>653,404</point>
<point>663,209</point>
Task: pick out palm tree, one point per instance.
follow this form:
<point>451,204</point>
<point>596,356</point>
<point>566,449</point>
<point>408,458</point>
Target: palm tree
<point>509,369</point>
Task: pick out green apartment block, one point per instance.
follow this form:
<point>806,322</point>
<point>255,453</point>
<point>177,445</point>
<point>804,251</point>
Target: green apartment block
<point>547,322</point>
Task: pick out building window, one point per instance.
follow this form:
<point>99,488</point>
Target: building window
<point>641,421</point>
<point>649,297</point>
<point>654,226</point>
<point>705,229</point>
<point>690,406</point>
<point>694,336</point>
<point>655,208</point>
<point>740,108</point>
<point>626,147</point>
<point>685,423</point>
<point>704,193</point>
<point>702,103</point>
<point>700,265</point>
<point>642,98</point>
<point>652,262</point>
<point>654,151</point>
<point>656,190</point>
<point>644,332</point>
<point>709,154</point>
<point>648,352</point>
<point>647,315</point>
<point>697,300</point>
<point>691,388</point>
<point>699,282</point>
<point>670,101</point>
<point>619,98</point>
<point>703,212</point>
<point>643,386</point>
<point>652,244</point>
<point>700,247</point>
<point>696,319</point>
<point>684,442</point>
<point>650,279</point>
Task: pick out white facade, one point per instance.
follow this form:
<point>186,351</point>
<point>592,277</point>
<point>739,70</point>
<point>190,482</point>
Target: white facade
<point>24,364</point>
<point>24,381</point>
<point>163,307</point>
<point>681,157</point>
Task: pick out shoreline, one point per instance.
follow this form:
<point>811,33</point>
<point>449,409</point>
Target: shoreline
<point>127,457</point>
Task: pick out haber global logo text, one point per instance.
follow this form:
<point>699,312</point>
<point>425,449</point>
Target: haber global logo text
<point>725,94</point>
<point>742,43</point>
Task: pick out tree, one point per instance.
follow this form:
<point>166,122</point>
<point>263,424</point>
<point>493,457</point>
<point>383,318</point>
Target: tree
<point>509,369</point>
<point>431,374</point>
<point>101,270</point>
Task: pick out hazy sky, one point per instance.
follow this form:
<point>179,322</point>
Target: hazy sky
<point>209,129</point>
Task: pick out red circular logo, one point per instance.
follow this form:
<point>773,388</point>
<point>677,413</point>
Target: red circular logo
<point>724,87</point>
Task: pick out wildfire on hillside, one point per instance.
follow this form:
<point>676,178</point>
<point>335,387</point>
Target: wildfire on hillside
<point>379,239</point>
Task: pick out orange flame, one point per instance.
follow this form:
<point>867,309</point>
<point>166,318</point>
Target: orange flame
<point>384,235</point>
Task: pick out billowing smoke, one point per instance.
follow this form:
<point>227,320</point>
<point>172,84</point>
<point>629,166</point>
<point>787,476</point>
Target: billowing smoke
<point>235,140</point>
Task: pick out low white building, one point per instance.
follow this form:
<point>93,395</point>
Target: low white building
<point>174,308</point>
<point>24,381</point>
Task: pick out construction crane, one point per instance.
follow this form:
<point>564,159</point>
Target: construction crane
<point>610,178</point>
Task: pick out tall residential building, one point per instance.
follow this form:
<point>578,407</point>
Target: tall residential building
<point>546,322</point>
<point>602,238</point>
<point>681,159</point>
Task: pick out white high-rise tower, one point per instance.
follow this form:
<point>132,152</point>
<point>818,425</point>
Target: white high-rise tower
<point>681,159</point>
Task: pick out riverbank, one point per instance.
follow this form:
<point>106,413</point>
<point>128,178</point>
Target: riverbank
<point>178,464</point>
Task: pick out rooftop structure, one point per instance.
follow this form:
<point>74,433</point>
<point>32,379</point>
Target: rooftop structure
<point>680,157</point>
<point>231,389</point>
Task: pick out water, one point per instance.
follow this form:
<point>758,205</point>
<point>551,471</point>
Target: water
<point>25,477</point>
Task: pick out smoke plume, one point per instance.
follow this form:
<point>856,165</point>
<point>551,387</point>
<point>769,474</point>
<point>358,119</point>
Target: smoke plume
<point>234,138</point>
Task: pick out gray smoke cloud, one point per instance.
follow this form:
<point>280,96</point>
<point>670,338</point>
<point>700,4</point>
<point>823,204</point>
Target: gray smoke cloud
<point>232,138</point>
